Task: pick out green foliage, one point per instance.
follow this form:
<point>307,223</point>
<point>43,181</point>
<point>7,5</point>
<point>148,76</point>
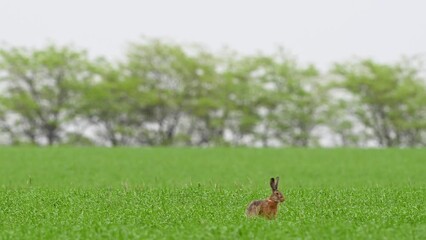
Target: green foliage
<point>166,94</point>
<point>107,101</point>
<point>388,99</point>
<point>172,85</point>
<point>39,90</point>
<point>129,193</point>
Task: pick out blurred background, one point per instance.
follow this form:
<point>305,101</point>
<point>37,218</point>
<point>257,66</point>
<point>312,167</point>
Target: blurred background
<point>213,73</point>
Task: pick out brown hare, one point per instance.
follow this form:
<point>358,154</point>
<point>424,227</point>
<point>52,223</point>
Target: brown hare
<point>267,208</point>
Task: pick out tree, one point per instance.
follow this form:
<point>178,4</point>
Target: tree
<point>166,77</point>
<point>238,95</point>
<point>163,93</point>
<point>39,91</point>
<point>203,102</point>
<point>388,100</point>
<point>284,103</point>
<point>107,101</point>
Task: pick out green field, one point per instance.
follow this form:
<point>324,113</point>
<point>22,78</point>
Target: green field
<point>172,193</point>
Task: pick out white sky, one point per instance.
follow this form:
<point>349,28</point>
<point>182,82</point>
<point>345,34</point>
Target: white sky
<point>316,31</point>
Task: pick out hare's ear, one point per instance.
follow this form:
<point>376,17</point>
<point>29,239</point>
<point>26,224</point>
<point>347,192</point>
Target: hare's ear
<point>272,183</point>
<point>277,179</point>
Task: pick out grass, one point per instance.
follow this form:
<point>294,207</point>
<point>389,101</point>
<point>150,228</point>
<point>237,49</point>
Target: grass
<point>171,193</point>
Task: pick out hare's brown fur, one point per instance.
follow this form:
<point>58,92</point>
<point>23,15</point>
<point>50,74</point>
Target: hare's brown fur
<point>267,208</point>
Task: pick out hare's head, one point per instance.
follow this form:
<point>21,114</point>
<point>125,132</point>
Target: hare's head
<point>276,196</point>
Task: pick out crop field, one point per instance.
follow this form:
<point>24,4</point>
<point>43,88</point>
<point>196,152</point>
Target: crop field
<point>183,193</point>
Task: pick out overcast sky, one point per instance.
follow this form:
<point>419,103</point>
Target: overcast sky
<point>316,31</point>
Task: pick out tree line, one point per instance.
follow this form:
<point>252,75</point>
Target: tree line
<point>163,93</point>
